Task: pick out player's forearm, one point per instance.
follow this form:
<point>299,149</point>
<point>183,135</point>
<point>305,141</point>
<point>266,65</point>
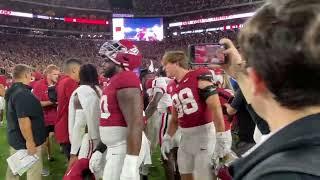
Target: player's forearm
<point>134,138</point>
<point>218,119</point>
<point>173,126</point>
<point>26,129</point>
<point>151,108</point>
<point>216,110</point>
<point>132,113</point>
<point>46,103</point>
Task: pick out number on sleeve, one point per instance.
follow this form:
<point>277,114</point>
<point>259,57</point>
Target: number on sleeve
<point>105,114</point>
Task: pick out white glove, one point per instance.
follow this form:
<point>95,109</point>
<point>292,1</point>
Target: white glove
<point>223,144</point>
<point>166,145</point>
<point>130,168</point>
<point>95,162</point>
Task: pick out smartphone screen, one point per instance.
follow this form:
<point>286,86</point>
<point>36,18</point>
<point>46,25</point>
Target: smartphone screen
<point>207,54</point>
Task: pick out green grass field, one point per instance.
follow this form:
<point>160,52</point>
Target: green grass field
<point>57,167</point>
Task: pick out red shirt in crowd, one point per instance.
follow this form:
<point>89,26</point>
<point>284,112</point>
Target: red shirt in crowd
<point>40,90</point>
<point>37,76</point>
<point>3,80</point>
<point>65,88</point>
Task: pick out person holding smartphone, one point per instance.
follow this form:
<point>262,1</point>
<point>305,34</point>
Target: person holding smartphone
<point>279,44</point>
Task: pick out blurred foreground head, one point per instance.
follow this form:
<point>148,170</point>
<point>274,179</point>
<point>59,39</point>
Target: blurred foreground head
<point>281,44</point>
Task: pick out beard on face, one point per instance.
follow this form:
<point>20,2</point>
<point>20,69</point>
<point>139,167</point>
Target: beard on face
<point>110,71</point>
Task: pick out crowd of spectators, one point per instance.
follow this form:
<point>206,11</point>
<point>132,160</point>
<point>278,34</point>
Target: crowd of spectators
<point>178,6</point>
<point>140,7</point>
<point>87,4</point>
<point>51,24</point>
<point>42,51</point>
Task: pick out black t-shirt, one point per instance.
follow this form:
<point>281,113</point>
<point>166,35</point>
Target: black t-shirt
<point>245,123</point>
<point>20,103</point>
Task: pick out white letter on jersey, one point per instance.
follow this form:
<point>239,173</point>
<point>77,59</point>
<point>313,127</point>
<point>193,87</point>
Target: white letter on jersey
<point>105,114</point>
<point>185,102</point>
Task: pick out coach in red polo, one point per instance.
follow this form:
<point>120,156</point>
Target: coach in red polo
<point>40,90</point>
<point>65,88</point>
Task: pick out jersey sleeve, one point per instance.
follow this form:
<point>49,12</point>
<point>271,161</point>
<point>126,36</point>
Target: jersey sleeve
<point>70,86</point>
<point>159,85</point>
<point>204,74</point>
<point>128,79</point>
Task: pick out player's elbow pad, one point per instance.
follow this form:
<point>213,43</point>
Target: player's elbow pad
<point>207,92</point>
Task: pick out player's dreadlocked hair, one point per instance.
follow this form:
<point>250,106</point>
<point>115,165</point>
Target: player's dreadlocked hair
<point>89,76</point>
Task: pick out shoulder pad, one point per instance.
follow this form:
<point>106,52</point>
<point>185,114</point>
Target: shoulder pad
<point>206,77</point>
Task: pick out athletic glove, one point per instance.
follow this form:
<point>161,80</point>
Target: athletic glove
<point>166,146</point>
<point>223,144</point>
<point>95,162</point>
<point>130,168</point>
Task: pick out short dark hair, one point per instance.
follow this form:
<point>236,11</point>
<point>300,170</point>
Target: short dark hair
<point>277,42</point>
<point>20,69</point>
<point>69,62</point>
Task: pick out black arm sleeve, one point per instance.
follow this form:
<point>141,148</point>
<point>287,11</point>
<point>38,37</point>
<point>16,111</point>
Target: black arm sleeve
<point>101,147</point>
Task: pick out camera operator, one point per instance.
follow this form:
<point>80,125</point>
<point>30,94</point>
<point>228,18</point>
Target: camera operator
<point>280,44</point>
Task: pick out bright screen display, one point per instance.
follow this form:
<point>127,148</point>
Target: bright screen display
<point>139,29</point>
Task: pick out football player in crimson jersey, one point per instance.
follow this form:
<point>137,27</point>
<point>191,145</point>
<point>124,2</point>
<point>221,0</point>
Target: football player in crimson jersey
<point>121,122</point>
<point>201,139</point>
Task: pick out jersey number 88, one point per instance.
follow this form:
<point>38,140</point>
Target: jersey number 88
<point>184,102</point>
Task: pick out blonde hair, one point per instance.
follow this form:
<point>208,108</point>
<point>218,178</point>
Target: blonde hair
<point>51,68</point>
<point>176,57</point>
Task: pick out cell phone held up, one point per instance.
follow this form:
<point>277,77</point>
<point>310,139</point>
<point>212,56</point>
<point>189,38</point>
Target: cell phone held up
<point>206,54</point>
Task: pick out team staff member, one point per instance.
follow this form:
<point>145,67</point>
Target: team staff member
<point>40,90</point>
<point>26,128</point>
<point>65,88</point>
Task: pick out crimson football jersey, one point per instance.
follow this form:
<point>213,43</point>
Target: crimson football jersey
<point>190,107</point>
<point>148,86</point>
<point>111,114</point>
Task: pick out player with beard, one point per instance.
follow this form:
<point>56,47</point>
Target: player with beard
<point>121,122</point>
<point>193,95</point>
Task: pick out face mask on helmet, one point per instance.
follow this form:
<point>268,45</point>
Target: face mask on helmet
<point>123,53</point>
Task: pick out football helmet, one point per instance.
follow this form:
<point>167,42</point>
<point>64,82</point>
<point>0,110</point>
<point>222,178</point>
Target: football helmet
<point>123,53</point>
